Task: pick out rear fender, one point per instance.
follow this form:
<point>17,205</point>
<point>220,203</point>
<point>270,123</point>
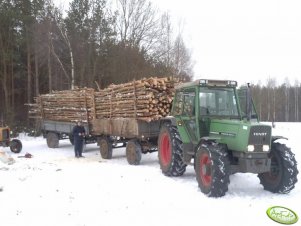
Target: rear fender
<point>169,119</point>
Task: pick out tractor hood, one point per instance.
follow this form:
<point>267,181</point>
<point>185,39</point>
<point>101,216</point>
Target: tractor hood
<point>241,136</point>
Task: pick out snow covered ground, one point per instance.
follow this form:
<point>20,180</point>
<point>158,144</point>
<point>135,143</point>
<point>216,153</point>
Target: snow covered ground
<point>54,188</point>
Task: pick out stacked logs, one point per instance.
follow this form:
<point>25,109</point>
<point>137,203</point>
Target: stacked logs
<point>146,99</point>
<point>67,106</point>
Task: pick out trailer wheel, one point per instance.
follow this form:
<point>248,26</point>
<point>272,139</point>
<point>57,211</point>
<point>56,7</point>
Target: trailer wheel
<point>283,173</point>
<point>133,152</point>
<point>170,151</point>
<point>212,169</point>
<point>15,146</point>
<point>52,140</point>
<point>105,146</point>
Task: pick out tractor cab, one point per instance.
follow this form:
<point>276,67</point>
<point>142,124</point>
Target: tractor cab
<point>216,110</point>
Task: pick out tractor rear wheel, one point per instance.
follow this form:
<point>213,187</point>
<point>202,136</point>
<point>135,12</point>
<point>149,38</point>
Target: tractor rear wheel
<point>105,146</point>
<point>170,151</point>
<point>52,140</point>
<point>15,146</point>
<point>212,168</point>
<point>282,176</point>
<point>133,152</point>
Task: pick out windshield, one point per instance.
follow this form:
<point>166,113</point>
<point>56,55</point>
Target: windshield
<point>218,102</point>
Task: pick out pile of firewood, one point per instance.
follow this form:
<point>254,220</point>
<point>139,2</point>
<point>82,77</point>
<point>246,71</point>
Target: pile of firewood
<point>146,99</point>
<point>67,106</point>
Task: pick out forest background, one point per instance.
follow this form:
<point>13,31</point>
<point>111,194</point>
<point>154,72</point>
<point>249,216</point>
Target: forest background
<point>94,43</point>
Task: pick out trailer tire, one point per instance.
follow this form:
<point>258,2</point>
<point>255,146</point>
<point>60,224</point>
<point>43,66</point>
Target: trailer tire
<point>52,140</point>
<point>133,152</point>
<point>105,146</point>
<point>283,174</point>
<point>170,151</point>
<point>15,146</point>
<point>212,168</point>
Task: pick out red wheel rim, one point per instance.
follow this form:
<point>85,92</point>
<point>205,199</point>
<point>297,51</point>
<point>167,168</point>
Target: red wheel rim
<point>165,149</point>
<point>205,169</point>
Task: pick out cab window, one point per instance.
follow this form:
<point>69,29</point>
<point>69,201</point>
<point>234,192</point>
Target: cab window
<point>178,105</point>
<point>189,104</point>
<point>218,102</point>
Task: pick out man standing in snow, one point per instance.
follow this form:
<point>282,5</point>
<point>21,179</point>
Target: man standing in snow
<point>78,133</point>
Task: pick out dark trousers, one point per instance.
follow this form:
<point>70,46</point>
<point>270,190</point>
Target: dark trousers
<point>78,147</point>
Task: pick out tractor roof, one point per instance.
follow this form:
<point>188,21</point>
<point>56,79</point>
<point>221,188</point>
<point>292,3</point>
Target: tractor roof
<point>208,83</point>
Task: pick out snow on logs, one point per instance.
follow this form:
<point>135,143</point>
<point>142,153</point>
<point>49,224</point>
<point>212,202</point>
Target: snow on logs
<point>146,99</point>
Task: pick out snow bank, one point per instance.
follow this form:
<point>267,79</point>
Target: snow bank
<point>54,188</point>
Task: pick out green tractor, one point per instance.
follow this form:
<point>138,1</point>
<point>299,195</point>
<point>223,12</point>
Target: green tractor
<point>214,126</point>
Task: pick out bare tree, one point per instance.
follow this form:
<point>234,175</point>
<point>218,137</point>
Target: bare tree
<point>296,100</point>
<point>137,23</point>
<point>164,45</point>
<point>182,59</point>
<point>271,84</point>
<point>287,99</point>
<point>49,60</point>
<point>57,19</point>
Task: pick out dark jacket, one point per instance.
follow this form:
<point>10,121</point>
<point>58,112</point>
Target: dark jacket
<point>78,133</point>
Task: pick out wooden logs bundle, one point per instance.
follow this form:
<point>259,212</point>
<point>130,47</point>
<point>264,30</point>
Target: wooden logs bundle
<point>146,99</point>
<point>67,106</point>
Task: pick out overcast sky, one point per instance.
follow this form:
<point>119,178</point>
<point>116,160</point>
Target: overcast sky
<point>244,40</point>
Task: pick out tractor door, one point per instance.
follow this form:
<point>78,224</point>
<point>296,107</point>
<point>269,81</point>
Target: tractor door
<point>246,108</point>
<point>186,117</point>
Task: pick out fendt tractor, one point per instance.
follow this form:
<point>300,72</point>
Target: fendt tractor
<point>214,126</point>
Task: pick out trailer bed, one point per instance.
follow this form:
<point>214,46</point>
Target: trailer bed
<point>60,127</point>
<point>125,127</point>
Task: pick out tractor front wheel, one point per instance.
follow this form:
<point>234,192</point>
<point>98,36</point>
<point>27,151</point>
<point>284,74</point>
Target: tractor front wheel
<point>170,151</point>
<point>282,176</point>
<point>212,168</point>
<point>15,146</point>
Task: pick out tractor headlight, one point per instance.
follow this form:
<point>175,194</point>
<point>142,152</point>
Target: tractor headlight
<point>251,148</point>
<point>265,148</point>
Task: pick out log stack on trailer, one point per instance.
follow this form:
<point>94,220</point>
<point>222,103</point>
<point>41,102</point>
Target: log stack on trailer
<point>127,113</point>
<point>58,111</point>
<point>65,106</point>
<point>146,99</point>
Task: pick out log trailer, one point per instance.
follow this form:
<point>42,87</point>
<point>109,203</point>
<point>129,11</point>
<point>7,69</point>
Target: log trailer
<point>125,114</point>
